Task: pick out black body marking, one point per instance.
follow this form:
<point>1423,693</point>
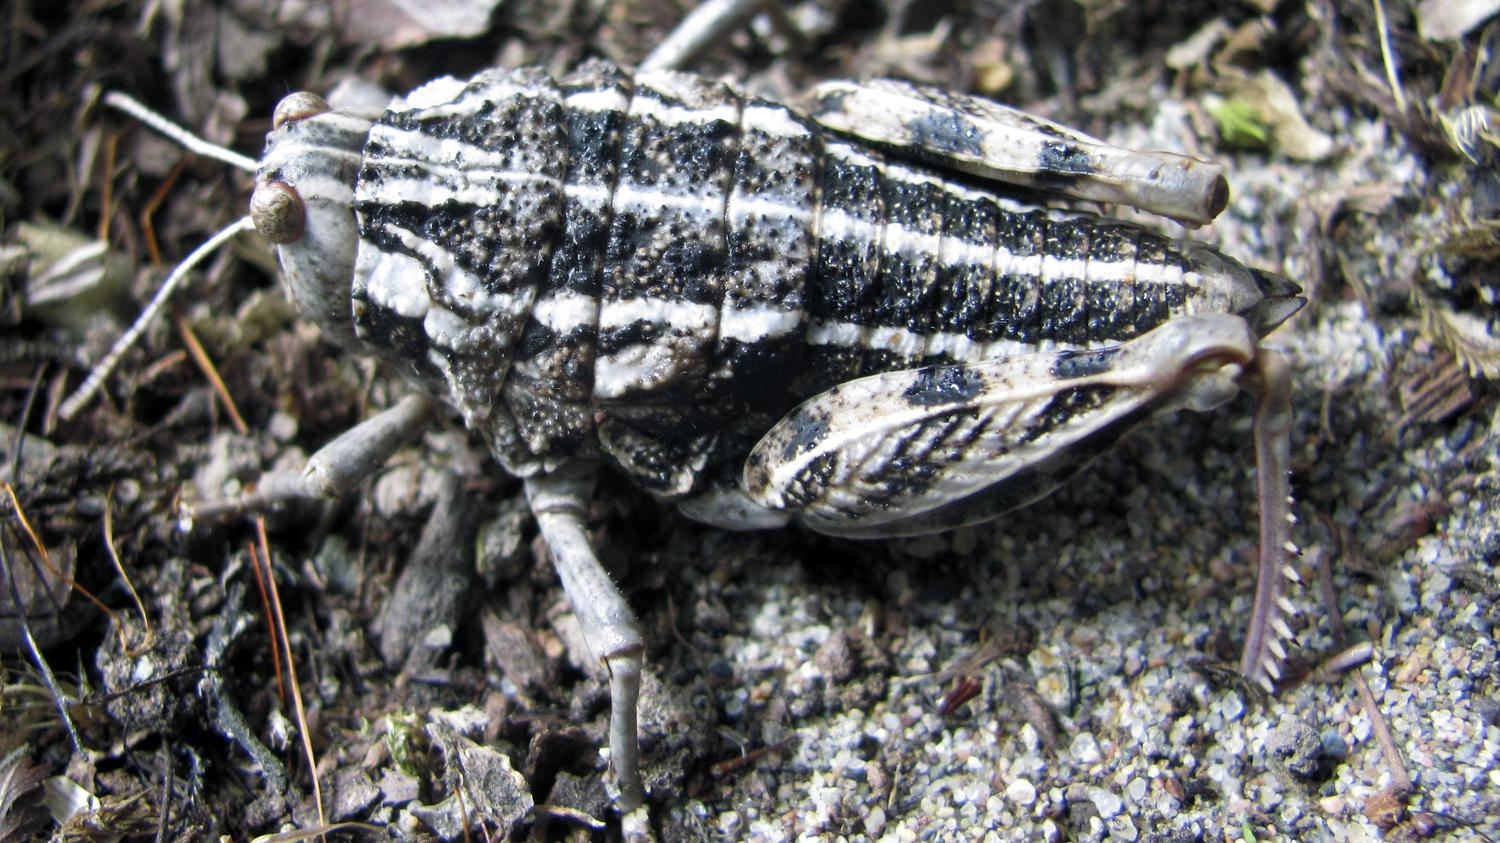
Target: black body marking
<point>947,132</point>
<point>657,270</point>
<point>935,386</point>
<point>1072,365</point>
<point>1061,157</point>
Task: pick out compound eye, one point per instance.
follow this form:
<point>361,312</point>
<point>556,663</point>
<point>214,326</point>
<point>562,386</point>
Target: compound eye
<point>298,106</point>
<point>278,212</point>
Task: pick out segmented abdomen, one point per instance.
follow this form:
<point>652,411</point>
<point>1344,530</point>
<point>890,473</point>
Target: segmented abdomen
<point>659,268</point>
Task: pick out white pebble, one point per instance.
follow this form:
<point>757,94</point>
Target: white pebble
<point>1233,708</point>
<point>1021,792</point>
<point>1085,748</point>
<point>1106,802</point>
<point>875,821</point>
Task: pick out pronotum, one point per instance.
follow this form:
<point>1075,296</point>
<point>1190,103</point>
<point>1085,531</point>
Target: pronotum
<point>762,313</point>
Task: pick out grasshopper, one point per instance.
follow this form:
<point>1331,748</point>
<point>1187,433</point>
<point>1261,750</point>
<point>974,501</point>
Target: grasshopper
<point>842,314</point>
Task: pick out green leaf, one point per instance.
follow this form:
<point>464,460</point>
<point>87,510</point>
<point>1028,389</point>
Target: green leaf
<point>1240,122</point>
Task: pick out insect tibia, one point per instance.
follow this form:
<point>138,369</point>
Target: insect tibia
<point>1271,378</point>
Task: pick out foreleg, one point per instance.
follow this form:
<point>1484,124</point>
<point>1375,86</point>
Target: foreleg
<point>337,467</point>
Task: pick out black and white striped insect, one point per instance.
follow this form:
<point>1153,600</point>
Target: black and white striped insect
<point>763,314</point>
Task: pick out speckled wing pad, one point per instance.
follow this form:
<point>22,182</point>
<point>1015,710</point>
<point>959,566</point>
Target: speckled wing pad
<point>895,446</point>
<point>990,140</point>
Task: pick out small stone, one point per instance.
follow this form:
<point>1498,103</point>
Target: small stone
<point>1386,809</point>
<point>353,792</point>
<point>1085,749</point>
<point>1297,747</point>
<point>720,670</point>
<point>502,545</point>
<point>1021,792</point>
<point>1122,828</point>
<point>1334,746</point>
<point>1106,802</point>
<point>1333,806</point>
<point>1488,709</point>
<point>1233,708</point>
<point>836,658</point>
<point>282,427</point>
<point>1360,730</point>
<point>397,788</point>
<point>875,821</point>
<point>492,789</point>
<point>340,568</point>
<point>1136,789</point>
<point>585,794</point>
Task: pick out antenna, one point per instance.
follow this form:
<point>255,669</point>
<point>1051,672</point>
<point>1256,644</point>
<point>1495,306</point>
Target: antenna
<point>183,137</point>
<point>85,393</point>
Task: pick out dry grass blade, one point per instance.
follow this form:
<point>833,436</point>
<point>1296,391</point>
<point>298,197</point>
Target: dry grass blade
<point>210,371</point>
<point>291,669</point>
<point>114,556</point>
<point>148,211</point>
<point>1388,57</point>
<point>262,572</point>
<point>59,699</point>
<point>1400,778</point>
<point>52,568</point>
<point>106,198</point>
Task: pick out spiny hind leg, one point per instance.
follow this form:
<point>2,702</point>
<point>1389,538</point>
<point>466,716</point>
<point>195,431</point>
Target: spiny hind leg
<point>1271,381</point>
<point>922,450</point>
